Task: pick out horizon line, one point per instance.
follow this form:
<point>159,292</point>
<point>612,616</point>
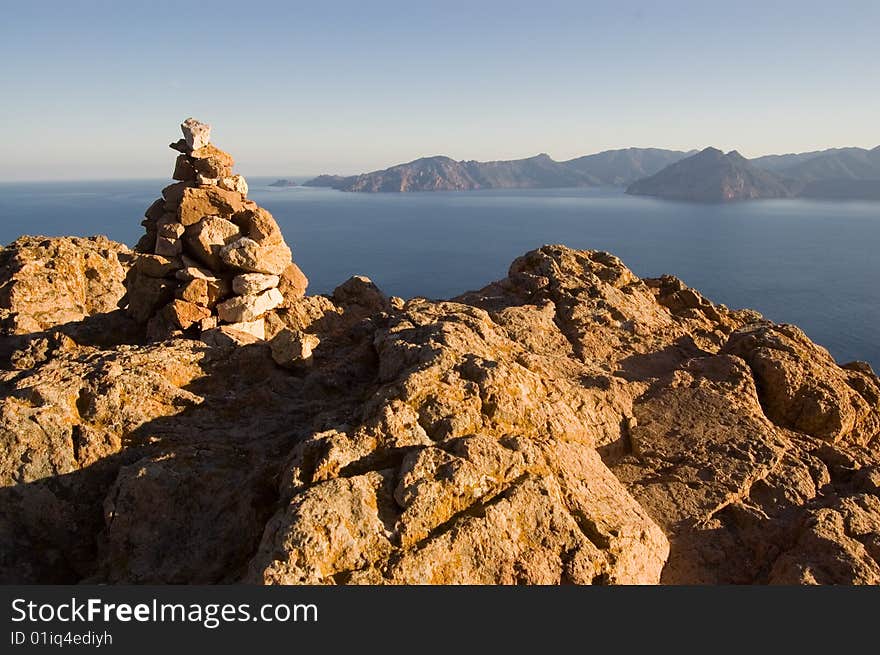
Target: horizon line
<point>401,163</point>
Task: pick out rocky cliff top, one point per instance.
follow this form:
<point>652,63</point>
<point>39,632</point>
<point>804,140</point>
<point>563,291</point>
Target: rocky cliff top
<point>571,423</point>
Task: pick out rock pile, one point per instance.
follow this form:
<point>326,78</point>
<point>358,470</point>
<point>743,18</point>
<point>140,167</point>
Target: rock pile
<point>212,263</point>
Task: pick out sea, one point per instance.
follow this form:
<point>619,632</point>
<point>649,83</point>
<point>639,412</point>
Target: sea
<point>809,262</point>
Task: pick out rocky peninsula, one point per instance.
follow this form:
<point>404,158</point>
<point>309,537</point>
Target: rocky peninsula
<point>184,412</point>
<point>439,173</point>
<point>714,176</point>
<point>709,175</point>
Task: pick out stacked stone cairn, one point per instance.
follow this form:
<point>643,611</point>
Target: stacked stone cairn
<point>212,263</point>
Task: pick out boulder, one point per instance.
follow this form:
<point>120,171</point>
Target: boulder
<point>835,544</point>
<point>360,290</point>
<point>803,388</point>
<point>45,282</point>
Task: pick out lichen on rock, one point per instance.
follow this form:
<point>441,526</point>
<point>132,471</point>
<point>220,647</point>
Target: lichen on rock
<point>570,423</point>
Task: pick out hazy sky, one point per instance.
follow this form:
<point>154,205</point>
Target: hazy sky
<point>97,89</point>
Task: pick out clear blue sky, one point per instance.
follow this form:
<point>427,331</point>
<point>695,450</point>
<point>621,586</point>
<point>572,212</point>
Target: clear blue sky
<point>97,89</point>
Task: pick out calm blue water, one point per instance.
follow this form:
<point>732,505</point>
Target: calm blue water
<point>807,262</point>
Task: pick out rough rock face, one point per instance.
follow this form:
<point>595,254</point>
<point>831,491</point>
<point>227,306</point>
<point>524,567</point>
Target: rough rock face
<point>203,237</point>
<point>46,282</point>
<point>571,423</point>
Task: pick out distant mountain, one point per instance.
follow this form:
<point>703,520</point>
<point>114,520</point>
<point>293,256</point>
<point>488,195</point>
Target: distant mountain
<point>713,176</point>
<point>623,167</point>
<point>838,164</point>
<point>708,175</point>
<point>425,174</point>
<point>777,163</point>
<point>613,167</point>
<point>444,174</point>
<point>540,171</point>
<point>332,181</point>
<point>283,183</point>
<point>839,173</point>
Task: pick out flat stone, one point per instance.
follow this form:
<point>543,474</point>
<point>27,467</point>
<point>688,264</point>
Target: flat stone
<point>248,308</point>
<point>237,334</point>
<point>194,273</point>
<point>198,202</point>
<point>205,239</point>
<point>256,328</point>
<point>192,270</point>
<point>180,146</point>
<point>248,284</point>
<point>248,255</point>
<point>195,133</point>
